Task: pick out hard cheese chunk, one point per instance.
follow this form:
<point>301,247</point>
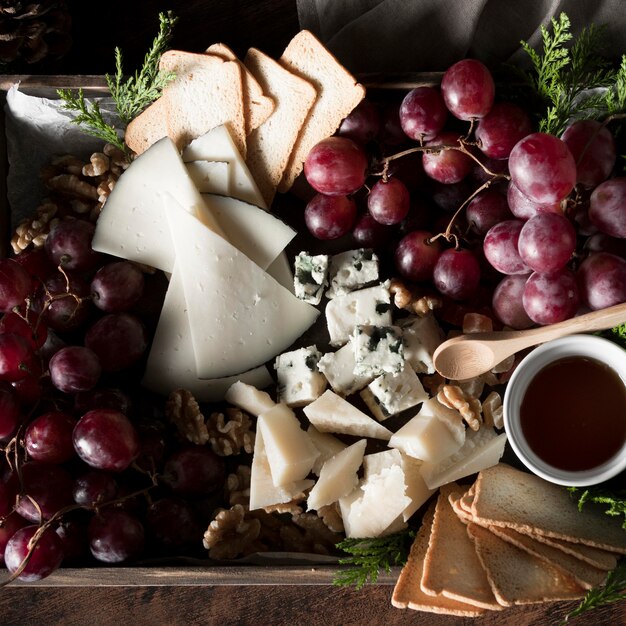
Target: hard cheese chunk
<point>338,367</point>
<point>422,336</point>
<point>377,350</point>
<point>331,413</point>
<point>263,492</point>
<point>217,145</point>
<point>310,276</point>
<point>299,381</point>
<point>289,449</point>
<point>352,270</point>
<point>338,476</point>
<point>249,398</point>
<point>171,364</point>
<point>239,316</point>
<point>133,223</point>
<point>326,445</point>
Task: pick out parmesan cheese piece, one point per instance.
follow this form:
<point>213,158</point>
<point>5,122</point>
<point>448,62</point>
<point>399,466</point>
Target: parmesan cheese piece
<point>249,398</point>
<point>326,445</point>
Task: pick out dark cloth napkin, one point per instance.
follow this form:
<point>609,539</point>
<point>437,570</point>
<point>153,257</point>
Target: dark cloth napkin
<point>370,36</point>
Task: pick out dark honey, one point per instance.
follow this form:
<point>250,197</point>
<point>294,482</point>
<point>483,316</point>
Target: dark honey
<point>573,414</point>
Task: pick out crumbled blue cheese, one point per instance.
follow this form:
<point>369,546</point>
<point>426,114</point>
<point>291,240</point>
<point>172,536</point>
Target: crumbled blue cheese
<point>310,276</point>
<point>390,394</point>
<point>371,305</point>
<point>352,270</point>
<point>421,336</point>
<point>299,380</point>
<point>338,367</point>
<point>377,350</point>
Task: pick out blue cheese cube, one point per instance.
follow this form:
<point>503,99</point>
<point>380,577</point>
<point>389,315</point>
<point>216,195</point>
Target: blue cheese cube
<point>338,367</point>
<point>310,276</point>
<point>371,305</point>
<point>421,336</point>
<point>377,350</point>
<point>299,380</point>
<point>352,270</point>
<point>391,394</point>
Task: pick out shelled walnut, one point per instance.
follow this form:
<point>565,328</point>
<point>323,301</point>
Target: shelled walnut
<point>230,432</point>
<point>469,407</point>
<point>232,534</point>
<point>184,412</point>
<point>410,300</point>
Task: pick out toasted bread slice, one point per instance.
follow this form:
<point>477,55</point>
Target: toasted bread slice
<point>271,143</point>
<point>148,127</point>
<point>338,93</point>
<point>206,93</point>
<point>258,107</point>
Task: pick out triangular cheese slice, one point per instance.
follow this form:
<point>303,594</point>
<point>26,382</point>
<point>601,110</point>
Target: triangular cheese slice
<point>239,316</point>
<point>210,176</point>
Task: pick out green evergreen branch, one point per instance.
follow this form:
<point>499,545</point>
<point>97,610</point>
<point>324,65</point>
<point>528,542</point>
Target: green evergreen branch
<point>370,556</point>
<point>614,501</point>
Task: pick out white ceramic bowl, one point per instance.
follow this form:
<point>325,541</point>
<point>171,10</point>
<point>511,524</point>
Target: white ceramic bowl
<point>590,346</point>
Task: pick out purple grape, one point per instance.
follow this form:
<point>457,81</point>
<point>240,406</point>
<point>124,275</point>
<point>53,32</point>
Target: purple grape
<point>66,307</point>
<point>446,166</point>
<point>103,398</point>
<point>524,208</point>
<point>501,247</point>
<point>486,210</point>
<point>423,113</point>
<point>17,358</point>
<point>507,302</point>
<point>329,217</point>
<point>368,233</point>
<point>33,330</point>
<point>69,245</point>
<point>45,558</point>
<point>94,488</point>
<point>504,125</point>
<point>48,438</point>
<point>74,369</point>
<point>551,298</point>
<point>115,536</point>
<point>172,524</point>
<point>50,486</point>
<point>389,201</point>
<point>416,255</point>
<point>468,89</point>
<point>362,124</point>
<point>606,209</point>
<point>15,284</point>
<point>602,280</point>
<point>456,274</point>
<point>72,531</point>
<point>10,525</point>
<point>117,286</point>
<point>193,470</point>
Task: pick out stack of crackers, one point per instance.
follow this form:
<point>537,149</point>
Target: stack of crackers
<point>275,110</point>
<point>510,538</point>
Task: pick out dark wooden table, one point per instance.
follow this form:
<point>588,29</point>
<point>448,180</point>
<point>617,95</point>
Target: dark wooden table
<point>286,597</point>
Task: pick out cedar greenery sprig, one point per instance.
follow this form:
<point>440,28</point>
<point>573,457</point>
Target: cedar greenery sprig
<point>131,95</point>
<point>369,556</point>
<point>613,500</point>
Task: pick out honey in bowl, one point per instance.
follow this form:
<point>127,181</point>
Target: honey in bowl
<point>573,413</point>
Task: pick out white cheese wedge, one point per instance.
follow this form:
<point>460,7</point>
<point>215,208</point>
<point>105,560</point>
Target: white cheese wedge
<point>326,445</point>
<point>239,316</point>
<point>263,492</point>
<point>331,413</point>
<point>290,451</point>
<point>133,223</point>
<point>377,462</point>
<point>256,233</point>
<point>217,145</point>
<point>280,271</point>
<point>171,364</point>
<point>416,488</point>
<point>450,417</point>
<point>210,176</point>
<point>482,449</point>
<point>249,398</point>
<point>338,476</point>
<point>373,506</point>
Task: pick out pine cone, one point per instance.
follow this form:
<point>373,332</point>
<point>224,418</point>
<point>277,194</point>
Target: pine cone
<point>33,31</point>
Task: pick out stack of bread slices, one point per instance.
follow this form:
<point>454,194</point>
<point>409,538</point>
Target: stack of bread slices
<point>275,110</point>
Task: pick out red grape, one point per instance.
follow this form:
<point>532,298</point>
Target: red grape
<point>507,302</point>
<point>115,536</point>
<point>456,274</point>
<point>542,168</point>
<point>17,358</point>
<point>10,408</point>
<point>551,298</point>
<point>602,280</point>
<point>468,89</point>
<point>391,133</point>
<point>94,488</point>
<point>547,242</point>
<point>15,284</point>
<point>368,233</point>
<point>193,470</point>
<point>102,398</point>
<point>329,217</point>
<point>601,242</point>
<point>35,332</point>
<point>37,263</point>
<point>28,390</point>
<point>523,207</point>
<point>50,486</point>
<point>117,286</point>
<point>74,369</point>
<point>336,166</point>
<point>362,124</point>
<point>416,255</point>
<point>69,245</point>
<point>423,113</point>
<point>106,439</point>
<point>606,209</point>
<point>502,128</point>
<point>486,210</point>
<point>72,530</point>
<point>48,438</point>
<point>389,201</point>
<point>66,307</point>
<point>501,247</point>
<point>45,558</point>
<point>447,165</point>
<point>10,525</point>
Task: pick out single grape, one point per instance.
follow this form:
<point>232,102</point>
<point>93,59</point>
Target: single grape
<point>456,274</point>
<point>153,450</point>
<point>468,89</point>
<point>579,215</point>
<point>94,488</point>
<point>362,124</point>
<point>336,166</point>
<point>172,524</point>
<point>606,208</point>
<point>37,263</point>
<point>423,113</point>
<point>391,133</point>
<point>10,525</point>
<point>501,247</point>
<point>542,168</point>
<point>45,557</point>
<point>50,486</point>
<point>103,398</point>
<point>504,125</point>
<point>601,242</point>
<point>51,346</point>
<point>17,358</point>
<point>65,303</point>
<point>72,530</point>
<point>449,197</point>
<point>193,470</point>
<point>329,217</point>
<point>69,245</point>
<point>10,408</point>
<point>15,284</point>
<point>447,165</point>
<point>416,255</point>
<point>593,147</point>
<point>106,439</point>
<point>389,201</point>
<point>117,286</point>
<point>74,369</point>
<point>507,302</point>
<point>26,325</point>
<point>551,298</point>
<point>48,438</point>
<point>115,536</point>
<point>524,208</point>
<point>602,280</point>
<point>28,389</point>
<point>547,242</point>
<point>486,210</point>
<point>368,233</point>
<point>487,168</point>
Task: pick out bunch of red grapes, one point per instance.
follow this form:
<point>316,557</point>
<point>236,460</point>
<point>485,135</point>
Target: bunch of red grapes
<point>90,473</point>
<point>473,201</point>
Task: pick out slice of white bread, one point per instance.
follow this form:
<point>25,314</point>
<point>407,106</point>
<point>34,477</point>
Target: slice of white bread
<point>258,106</point>
<point>206,93</point>
<point>270,145</point>
<point>148,127</point>
<point>338,93</point>
<point>407,593</point>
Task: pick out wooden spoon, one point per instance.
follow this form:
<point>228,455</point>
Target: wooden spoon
<point>470,355</point>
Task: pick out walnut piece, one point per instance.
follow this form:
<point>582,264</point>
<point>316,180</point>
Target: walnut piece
<point>331,516</point>
<point>231,534</point>
<point>492,410</point>
<point>99,163</point>
<point>453,397</point>
<point>405,298</point>
<point>35,230</point>
<point>237,486</point>
<point>293,506</point>
<point>230,432</point>
<point>184,412</point>
<point>308,533</point>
